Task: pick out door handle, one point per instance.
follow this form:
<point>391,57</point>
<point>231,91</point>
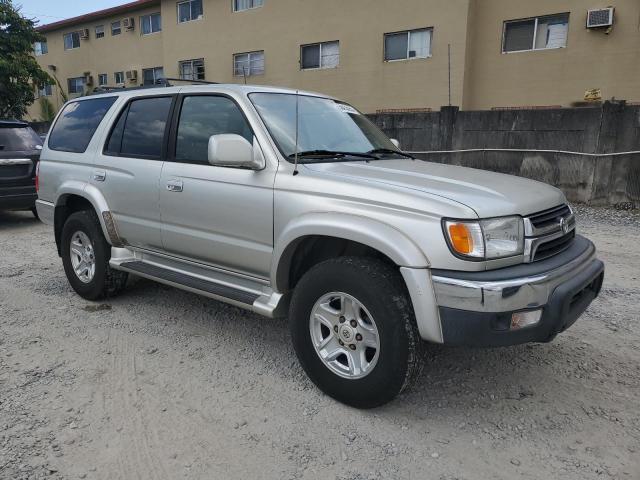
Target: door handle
<point>174,185</point>
<point>99,175</point>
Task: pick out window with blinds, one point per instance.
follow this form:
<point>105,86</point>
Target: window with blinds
<point>540,33</point>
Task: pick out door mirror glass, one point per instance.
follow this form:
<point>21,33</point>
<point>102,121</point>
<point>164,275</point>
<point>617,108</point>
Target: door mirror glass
<point>396,143</point>
<point>231,150</point>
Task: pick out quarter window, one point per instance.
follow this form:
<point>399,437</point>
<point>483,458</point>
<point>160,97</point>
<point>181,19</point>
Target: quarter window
<point>118,78</point>
<point>77,123</point>
<point>152,76</point>
<point>71,40</point>
<point>320,55</point>
<point>151,23</point>
<point>192,69</point>
<point>76,85</point>
<point>202,116</point>
<point>103,79</point>
<point>100,31</point>
<point>246,64</point>
<point>189,10</point>
<point>539,33</point>
<point>139,132</point>
<point>408,45</point>
<point>40,48</point>
<point>116,28</point>
<point>240,5</point>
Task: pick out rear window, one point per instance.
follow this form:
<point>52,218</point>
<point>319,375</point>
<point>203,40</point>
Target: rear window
<point>15,139</point>
<point>77,123</point>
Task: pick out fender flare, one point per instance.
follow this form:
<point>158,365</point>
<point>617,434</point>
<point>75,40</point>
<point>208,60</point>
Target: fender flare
<point>89,193</point>
<point>375,234</point>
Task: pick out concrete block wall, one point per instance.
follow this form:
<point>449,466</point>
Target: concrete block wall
<point>602,130</point>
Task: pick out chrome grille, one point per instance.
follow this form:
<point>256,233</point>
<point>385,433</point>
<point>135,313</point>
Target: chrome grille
<point>548,233</point>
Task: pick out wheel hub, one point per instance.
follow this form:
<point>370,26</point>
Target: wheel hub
<point>82,256</point>
<point>344,335</point>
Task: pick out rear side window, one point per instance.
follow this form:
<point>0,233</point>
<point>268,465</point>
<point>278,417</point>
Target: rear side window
<point>14,139</point>
<point>77,123</point>
<point>139,132</point>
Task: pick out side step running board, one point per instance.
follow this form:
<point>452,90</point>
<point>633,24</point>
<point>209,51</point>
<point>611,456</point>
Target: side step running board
<point>187,282</point>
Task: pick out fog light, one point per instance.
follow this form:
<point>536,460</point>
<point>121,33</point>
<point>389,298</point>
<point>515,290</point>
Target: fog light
<point>525,319</point>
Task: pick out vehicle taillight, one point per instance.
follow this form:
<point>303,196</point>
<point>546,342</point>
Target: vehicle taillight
<point>37,176</point>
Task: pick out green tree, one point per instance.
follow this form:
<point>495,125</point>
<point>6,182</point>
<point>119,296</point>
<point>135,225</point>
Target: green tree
<point>19,71</point>
<point>47,110</point>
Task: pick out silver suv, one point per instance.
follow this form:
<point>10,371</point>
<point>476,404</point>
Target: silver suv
<point>292,203</point>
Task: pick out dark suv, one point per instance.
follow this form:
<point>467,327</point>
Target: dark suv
<point>20,150</point>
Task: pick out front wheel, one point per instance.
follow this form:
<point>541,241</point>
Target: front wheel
<point>354,331</point>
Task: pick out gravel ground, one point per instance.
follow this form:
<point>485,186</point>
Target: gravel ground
<point>163,384</point>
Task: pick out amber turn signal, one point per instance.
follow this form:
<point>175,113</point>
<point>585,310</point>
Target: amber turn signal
<point>461,239</point>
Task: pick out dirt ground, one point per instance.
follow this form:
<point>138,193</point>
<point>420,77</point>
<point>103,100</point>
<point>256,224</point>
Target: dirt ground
<point>163,384</point>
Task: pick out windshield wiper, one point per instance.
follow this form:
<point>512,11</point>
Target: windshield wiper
<point>333,154</point>
<point>391,151</point>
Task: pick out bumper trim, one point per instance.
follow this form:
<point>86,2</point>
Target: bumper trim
<point>533,288</point>
<point>46,211</point>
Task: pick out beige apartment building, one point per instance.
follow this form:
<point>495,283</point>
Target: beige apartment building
<point>375,54</point>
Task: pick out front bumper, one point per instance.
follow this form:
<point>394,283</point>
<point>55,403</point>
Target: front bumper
<point>476,307</point>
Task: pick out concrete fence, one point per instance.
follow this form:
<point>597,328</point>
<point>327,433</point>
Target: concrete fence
<point>592,154</point>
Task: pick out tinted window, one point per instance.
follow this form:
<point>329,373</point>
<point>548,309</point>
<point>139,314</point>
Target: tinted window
<point>144,127</point>
<point>115,139</point>
<point>77,123</point>
<point>18,138</point>
<point>203,116</point>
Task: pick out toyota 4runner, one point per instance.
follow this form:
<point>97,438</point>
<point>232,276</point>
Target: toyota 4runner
<point>291,203</point>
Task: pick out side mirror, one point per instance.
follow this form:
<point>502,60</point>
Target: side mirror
<point>231,150</point>
<point>396,143</point>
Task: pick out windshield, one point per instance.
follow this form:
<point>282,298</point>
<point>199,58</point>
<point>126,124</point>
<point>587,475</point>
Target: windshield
<point>324,125</point>
<point>17,139</point>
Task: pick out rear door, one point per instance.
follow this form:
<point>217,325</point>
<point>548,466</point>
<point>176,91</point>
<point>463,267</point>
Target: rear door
<point>19,152</point>
<point>127,171</point>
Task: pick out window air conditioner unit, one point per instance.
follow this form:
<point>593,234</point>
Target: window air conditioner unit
<point>84,34</point>
<point>132,75</point>
<point>128,23</point>
<point>599,18</point>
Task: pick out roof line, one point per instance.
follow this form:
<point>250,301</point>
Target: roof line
<point>131,6</point>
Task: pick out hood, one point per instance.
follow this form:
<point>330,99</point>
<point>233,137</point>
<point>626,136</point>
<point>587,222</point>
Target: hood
<point>489,194</point>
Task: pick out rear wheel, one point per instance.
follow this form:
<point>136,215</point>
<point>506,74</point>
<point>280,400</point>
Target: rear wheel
<point>34,210</point>
<point>354,331</point>
<point>85,257</point>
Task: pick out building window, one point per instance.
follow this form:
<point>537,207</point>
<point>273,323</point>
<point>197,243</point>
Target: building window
<point>240,5</point>
<point>40,48</point>
<point>45,91</point>
<point>118,77</point>
<point>192,69</point>
<point>320,55</point>
<point>189,10</point>
<point>99,31</point>
<point>103,79</point>
<point>246,64</point>
<point>71,40</point>
<point>152,76</point>
<point>408,45</point>
<point>116,28</point>
<point>539,33</point>
<point>151,23</point>
<point>76,85</point>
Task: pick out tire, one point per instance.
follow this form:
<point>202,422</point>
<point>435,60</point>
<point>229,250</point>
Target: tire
<point>104,282</point>
<point>386,311</point>
<point>34,210</point>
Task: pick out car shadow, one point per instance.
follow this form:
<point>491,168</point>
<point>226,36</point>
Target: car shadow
<point>17,219</point>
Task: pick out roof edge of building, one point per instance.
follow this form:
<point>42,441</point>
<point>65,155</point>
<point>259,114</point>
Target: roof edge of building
<point>107,12</point>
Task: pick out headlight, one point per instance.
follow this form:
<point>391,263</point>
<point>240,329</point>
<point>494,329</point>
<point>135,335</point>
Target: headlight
<point>485,239</point>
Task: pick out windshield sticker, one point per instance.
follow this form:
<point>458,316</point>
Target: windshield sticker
<point>347,109</point>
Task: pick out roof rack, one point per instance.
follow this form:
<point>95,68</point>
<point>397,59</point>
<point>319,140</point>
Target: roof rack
<point>162,82</point>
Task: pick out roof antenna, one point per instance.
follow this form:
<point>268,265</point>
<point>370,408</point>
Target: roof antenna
<point>295,163</point>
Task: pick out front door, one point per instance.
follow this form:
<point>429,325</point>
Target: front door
<point>215,215</point>
<point>128,170</point>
